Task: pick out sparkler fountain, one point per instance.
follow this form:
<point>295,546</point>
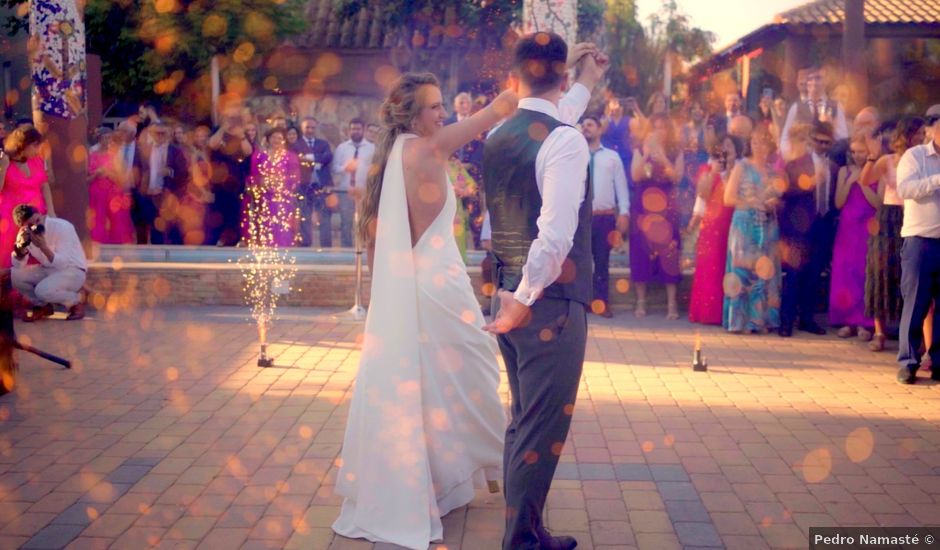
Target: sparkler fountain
<point>268,268</point>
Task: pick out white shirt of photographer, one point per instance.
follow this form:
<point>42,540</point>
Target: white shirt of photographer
<point>57,281</point>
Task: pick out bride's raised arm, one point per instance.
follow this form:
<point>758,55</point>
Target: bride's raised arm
<point>454,136</point>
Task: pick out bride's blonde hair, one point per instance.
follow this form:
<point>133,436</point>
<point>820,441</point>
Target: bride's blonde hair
<point>396,117</point>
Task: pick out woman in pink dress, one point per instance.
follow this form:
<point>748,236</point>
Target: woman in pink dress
<point>109,197</point>
<point>858,204</point>
<point>271,213</point>
<point>711,250</point>
<point>23,179</point>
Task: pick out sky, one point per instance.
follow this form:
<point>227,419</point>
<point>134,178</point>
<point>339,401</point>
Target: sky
<point>729,19</point>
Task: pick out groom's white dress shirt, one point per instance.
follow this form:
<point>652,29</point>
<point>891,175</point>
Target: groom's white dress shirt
<point>560,173</point>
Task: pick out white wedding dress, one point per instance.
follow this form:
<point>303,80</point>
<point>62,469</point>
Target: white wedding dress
<point>426,423</point>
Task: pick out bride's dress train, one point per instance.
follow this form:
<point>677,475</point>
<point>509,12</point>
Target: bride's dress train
<point>425,419</point>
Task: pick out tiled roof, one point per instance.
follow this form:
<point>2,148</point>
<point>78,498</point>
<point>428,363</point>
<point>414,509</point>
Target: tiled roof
<point>370,28</point>
<point>876,12</point>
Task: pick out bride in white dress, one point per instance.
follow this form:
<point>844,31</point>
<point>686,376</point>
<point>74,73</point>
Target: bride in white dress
<point>426,423</point>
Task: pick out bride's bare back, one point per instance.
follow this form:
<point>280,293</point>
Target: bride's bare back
<point>426,185</point>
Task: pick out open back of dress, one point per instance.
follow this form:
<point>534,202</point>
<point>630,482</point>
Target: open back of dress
<point>425,418</point>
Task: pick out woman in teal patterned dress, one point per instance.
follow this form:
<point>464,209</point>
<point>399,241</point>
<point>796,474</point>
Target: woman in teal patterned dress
<point>752,274</point>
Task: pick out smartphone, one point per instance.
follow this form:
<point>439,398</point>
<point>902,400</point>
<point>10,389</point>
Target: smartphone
<point>768,93</point>
<point>629,105</point>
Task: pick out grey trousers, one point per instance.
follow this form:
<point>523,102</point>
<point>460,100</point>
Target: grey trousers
<point>543,360</point>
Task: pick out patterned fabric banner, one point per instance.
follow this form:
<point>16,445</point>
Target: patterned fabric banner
<point>57,54</point>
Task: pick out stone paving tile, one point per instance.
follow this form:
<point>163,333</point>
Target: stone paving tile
<point>175,439</point>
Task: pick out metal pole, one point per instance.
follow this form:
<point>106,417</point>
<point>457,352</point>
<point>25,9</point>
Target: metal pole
<point>358,312</point>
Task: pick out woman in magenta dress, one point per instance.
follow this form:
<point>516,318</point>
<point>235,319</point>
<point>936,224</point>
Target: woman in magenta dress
<point>858,204</point>
<point>23,180</point>
<point>109,197</point>
<point>711,250</point>
<point>271,214</point>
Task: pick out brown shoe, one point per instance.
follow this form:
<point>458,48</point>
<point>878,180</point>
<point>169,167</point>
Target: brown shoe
<point>38,312</point>
<point>76,312</point>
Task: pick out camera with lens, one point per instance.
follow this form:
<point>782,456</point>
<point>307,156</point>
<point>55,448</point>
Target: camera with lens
<point>25,238</point>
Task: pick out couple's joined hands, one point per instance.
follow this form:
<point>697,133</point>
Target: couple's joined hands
<point>589,61</point>
<point>512,314</point>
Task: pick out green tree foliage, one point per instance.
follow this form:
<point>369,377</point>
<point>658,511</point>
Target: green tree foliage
<point>638,51</point>
<point>149,48</point>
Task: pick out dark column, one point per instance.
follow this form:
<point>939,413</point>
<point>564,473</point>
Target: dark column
<point>795,56</point>
<point>69,145</point>
<point>853,55</point>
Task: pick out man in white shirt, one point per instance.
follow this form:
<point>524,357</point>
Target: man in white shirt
<point>351,162</point>
<point>611,208</point>
<point>816,107</point>
<point>60,274</point>
<point>918,178</point>
<point>538,197</point>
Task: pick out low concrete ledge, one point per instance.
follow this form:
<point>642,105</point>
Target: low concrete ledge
<point>117,284</point>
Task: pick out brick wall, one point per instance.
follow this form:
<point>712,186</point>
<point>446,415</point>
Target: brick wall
<point>114,286</point>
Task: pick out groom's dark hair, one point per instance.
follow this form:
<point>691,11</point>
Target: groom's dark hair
<point>540,61</point>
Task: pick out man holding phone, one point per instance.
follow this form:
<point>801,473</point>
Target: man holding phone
<point>230,151</point>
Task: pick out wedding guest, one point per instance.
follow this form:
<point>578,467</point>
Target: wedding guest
<point>23,180</point>
<point>292,135</point>
<point>179,135</point>
<point>806,216</point>
<point>816,107</point>
<point>270,216</point>
<point>883,266</point>
<point>109,196</point>
<point>372,132</point>
<point>97,139</point>
<point>711,250</point>
<point>918,183</point>
<point>858,204</point>
<point>463,105</point>
<point>195,198</point>
<point>48,263</point>
<point>654,217</point>
<point>351,162</point>
<point>316,184</point>
<point>230,150</point>
<point>691,126</point>
<point>732,108</point>
<point>251,134</point>
<point>657,105</point>
<point>741,127</point>
<point>752,280</point>
<point>470,160</point>
<point>611,207</point>
<point>615,129</point>
<point>164,177</point>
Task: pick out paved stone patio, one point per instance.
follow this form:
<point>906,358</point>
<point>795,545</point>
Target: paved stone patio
<point>166,434</point>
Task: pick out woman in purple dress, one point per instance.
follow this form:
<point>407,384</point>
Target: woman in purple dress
<point>654,217</point>
<point>270,216</point>
<point>858,205</point>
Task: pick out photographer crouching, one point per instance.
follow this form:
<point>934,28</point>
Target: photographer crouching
<point>60,275</point>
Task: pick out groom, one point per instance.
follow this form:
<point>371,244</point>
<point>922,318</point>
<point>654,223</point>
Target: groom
<point>535,169</point>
